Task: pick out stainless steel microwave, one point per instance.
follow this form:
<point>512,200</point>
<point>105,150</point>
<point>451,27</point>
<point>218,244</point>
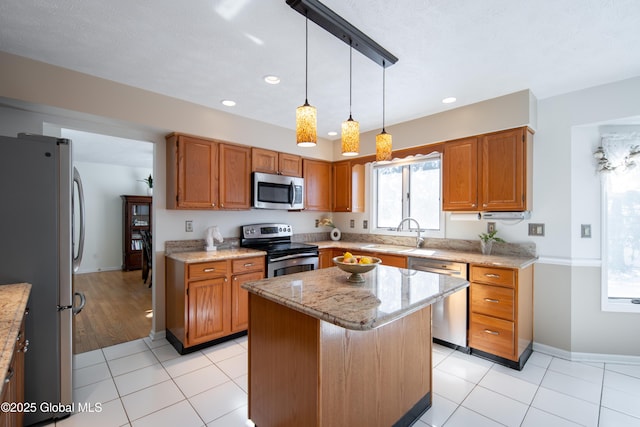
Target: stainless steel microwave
<point>272,191</point>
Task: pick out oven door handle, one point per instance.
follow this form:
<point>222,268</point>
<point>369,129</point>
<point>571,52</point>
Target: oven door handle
<point>298,255</point>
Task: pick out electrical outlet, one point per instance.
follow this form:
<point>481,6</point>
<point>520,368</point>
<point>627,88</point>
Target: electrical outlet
<point>491,227</point>
<point>188,226</point>
<point>536,229</point>
<point>585,231</point>
<point>365,224</point>
<point>352,223</point>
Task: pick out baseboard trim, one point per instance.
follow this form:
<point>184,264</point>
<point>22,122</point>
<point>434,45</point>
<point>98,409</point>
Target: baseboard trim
<point>586,357</point>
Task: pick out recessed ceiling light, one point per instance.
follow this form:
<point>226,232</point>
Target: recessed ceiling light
<point>272,80</point>
<point>228,103</point>
<point>332,133</point>
<point>449,100</point>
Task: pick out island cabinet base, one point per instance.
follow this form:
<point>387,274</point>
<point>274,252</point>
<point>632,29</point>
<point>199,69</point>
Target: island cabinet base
<point>307,372</point>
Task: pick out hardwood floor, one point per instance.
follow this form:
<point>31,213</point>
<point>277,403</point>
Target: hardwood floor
<point>118,309</point>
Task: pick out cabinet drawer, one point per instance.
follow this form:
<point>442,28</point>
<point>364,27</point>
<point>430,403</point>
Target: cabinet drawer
<point>491,300</point>
<point>244,265</point>
<point>492,335</point>
<point>492,275</point>
<point>205,270</point>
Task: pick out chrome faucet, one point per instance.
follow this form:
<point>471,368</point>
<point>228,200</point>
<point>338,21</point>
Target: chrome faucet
<point>419,239</point>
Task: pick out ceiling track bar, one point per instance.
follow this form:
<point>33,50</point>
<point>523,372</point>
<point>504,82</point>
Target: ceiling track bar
<point>342,29</point>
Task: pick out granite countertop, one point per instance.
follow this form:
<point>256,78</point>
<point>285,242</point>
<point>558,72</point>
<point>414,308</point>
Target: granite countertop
<point>13,302</point>
<point>388,294</point>
<point>434,253</point>
<point>219,255</point>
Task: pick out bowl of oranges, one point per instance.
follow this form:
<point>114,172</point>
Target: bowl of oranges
<point>356,265</point>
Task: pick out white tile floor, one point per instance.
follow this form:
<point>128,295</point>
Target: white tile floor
<point>144,383</point>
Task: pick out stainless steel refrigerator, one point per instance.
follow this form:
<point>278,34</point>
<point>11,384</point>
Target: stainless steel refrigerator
<point>37,186</point>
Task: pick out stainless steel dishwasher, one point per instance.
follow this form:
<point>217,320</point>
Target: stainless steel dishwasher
<point>449,316</point>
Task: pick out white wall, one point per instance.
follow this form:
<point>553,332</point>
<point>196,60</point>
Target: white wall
<point>567,194</point>
<point>103,185</point>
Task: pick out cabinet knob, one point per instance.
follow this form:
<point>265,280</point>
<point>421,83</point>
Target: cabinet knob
<point>213,204</point>
<point>222,205</point>
<point>473,205</point>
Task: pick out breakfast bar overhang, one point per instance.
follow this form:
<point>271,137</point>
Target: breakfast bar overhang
<point>326,352</point>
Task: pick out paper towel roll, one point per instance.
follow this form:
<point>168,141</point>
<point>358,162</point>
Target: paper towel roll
<point>471,216</point>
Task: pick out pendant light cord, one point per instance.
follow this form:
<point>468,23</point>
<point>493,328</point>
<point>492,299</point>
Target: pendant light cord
<point>306,58</point>
<point>383,93</point>
<point>350,76</point>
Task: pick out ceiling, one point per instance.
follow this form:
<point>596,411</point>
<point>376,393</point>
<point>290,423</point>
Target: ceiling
<point>205,51</point>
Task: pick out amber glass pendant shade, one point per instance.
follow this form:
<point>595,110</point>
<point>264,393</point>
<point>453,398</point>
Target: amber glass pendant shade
<point>350,137</point>
<point>383,146</point>
<point>306,125</point>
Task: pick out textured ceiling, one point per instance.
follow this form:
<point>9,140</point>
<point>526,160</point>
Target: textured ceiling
<point>206,51</point>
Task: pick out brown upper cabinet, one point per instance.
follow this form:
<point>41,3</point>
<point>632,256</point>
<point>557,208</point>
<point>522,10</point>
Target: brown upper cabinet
<point>207,174</point>
<point>489,172</point>
<point>460,175</point>
<point>269,161</point>
<point>348,187</point>
<point>317,185</point>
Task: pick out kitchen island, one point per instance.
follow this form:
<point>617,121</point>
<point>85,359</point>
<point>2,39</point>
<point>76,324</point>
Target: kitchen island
<point>325,352</point>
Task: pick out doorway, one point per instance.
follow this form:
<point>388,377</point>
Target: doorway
<point>119,303</point>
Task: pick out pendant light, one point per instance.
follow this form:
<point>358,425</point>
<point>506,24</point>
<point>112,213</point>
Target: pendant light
<point>383,139</point>
<point>350,128</point>
<point>306,118</point>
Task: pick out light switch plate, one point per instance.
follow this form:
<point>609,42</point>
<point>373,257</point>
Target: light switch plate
<point>536,229</point>
<point>585,231</point>
<point>365,224</point>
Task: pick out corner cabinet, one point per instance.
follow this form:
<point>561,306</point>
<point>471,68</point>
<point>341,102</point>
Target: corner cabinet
<point>136,218</point>
<point>501,313</point>
<point>204,301</point>
<point>207,174</point>
<point>489,172</point>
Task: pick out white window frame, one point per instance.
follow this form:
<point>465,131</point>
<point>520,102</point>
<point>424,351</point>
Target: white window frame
<point>622,305</point>
<point>374,201</point>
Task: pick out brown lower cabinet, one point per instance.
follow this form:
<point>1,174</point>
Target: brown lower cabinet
<point>501,313</point>
<point>204,301</point>
<point>13,384</point>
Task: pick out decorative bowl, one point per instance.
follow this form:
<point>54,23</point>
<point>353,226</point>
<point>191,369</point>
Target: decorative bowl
<point>356,269</point>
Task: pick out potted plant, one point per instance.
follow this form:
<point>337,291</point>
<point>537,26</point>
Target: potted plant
<point>149,182</point>
<point>486,241</point>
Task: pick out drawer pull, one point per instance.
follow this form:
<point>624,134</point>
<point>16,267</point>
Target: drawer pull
<point>492,300</point>
<point>7,379</point>
<point>493,276</point>
<point>208,270</point>
<point>488,331</point>
<point>249,264</point>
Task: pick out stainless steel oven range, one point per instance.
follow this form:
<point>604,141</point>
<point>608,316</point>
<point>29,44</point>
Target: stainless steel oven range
<point>283,255</point>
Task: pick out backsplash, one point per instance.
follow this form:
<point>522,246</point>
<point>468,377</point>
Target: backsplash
<point>512,249</point>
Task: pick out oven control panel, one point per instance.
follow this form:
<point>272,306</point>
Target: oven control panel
<point>266,230</point>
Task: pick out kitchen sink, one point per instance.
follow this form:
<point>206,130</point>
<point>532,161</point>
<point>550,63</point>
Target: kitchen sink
<point>399,249</point>
<point>383,248</point>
